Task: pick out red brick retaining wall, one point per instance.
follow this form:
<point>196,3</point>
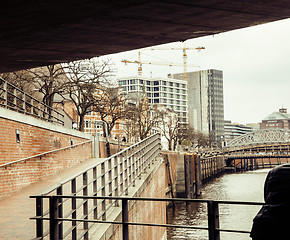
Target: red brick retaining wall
<point>33,140</point>
<point>18,175</point>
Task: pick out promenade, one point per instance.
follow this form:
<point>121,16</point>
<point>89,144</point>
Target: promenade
<point>17,208</point>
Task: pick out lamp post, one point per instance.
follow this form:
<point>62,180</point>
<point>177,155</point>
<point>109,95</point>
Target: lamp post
<point>106,132</point>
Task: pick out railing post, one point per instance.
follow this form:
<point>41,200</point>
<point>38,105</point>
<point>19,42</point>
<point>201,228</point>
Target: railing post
<point>110,178</point>
<point>24,103</point>
<point>103,185</point>
<point>95,191</point>
<point>31,106</point>
<point>5,95</point>
<point>213,220</point>
<point>85,205</point>
<point>125,219</point>
<point>39,213</point>
<point>53,222</point>
<point>74,209</point>
<point>60,212</point>
<point>116,177</point>
<point>125,162</point>
<point>15,98</point>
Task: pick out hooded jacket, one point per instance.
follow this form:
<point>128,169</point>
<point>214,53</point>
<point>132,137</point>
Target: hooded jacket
<point>273,220</point>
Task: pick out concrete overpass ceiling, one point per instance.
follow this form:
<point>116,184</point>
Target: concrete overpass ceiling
<point>36,33</point>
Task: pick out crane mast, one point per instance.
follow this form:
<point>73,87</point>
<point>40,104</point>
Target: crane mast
<point>184,48</point>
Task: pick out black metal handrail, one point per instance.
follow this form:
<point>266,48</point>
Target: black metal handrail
<point>13,98</point>
<point>212,214</point>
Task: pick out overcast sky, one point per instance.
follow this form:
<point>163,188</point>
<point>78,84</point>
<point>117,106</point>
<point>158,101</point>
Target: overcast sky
<point>255,62</point>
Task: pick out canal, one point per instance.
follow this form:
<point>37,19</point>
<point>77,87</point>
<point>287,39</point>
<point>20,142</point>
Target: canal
<point>246,186</point>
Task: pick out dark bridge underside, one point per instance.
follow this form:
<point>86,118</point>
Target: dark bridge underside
<point>36,33</point>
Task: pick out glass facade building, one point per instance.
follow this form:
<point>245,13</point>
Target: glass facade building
<point>205,102</point>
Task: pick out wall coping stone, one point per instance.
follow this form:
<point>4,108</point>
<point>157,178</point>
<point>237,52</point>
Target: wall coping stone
<point>26,119</point>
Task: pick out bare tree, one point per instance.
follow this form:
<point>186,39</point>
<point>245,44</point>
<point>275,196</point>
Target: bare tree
<point>109,103</point>
<point>14,79</point>
<point>86,78</point>
<point>168,126</point>
<point>142,115</point>
<point>49,81</point>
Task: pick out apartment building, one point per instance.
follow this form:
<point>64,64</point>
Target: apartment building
<point>167,92</point>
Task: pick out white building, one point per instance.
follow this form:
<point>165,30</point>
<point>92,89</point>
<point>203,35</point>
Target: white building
<point>167,92</point>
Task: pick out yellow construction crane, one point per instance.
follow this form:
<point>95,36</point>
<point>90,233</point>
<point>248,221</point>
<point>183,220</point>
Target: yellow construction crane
<point>184,48</point>
<point>153,63</point>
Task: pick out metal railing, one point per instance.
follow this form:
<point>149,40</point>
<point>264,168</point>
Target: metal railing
<point>15,99</point>
<point>5,165</point>
<point>110,177</point>
<point>56,219</point>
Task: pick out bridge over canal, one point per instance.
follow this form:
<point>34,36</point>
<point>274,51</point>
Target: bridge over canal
<point>258,149</point>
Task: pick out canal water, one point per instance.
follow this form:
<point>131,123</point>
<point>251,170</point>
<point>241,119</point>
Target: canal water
<point>246,186</point>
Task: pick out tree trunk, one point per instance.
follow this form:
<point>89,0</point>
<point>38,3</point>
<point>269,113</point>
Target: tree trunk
<point>82,123</point>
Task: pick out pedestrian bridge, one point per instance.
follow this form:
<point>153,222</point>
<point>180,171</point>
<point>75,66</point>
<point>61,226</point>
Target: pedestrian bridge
<point>261,137</point>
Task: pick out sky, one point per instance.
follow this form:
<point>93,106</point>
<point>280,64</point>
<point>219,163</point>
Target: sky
<point>255,62</point>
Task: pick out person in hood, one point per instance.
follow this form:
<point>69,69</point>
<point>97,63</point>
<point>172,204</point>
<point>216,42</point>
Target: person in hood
<point>273,220</point>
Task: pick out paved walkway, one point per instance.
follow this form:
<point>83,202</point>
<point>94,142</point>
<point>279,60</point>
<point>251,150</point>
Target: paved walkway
<point>16,209</point>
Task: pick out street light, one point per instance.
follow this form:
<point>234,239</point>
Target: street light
<point>106,132</point>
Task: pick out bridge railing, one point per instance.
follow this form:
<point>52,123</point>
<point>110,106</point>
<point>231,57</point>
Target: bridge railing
<point>56,219</point>
<point>15,99</point>
<point>110,177</point>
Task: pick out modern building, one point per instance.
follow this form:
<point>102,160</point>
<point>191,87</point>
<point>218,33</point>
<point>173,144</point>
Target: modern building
<point>279,120</point>
<point>233,130</point>
<point>205,102</point>
<point>167,92</point>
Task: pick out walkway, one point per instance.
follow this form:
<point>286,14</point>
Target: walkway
<point>16,209</point>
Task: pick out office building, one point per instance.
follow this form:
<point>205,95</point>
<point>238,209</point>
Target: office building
<point>205,102</point>
<point>167,92</point>
<point>234,130</point>
<point>279,120</point>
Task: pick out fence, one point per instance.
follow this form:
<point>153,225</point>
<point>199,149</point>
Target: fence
<point>56,219</point>
<point>15,99</point>
<point>110,177</point>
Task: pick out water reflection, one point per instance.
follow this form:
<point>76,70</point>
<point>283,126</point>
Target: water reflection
<point>246,186</point>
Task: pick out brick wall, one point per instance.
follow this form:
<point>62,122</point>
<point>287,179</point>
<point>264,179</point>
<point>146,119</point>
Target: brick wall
<point>18,175</point>
<point>113,148</point>
<point>148,212</point>
<point>33,140</point>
